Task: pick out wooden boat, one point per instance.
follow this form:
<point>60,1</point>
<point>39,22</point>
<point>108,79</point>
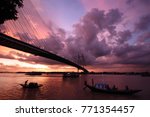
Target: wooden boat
<point>111,91</point>
<point>70,75</point>
<point>31,85</point>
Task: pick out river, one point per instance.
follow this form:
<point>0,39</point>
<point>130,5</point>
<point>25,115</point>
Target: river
<point>56,88</point>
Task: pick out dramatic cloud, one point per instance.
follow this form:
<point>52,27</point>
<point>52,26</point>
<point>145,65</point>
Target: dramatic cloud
<point>110,35</point>
<point>145,2</point>
<point>124,36</point>
<point>87,40</point>
<point>93,35</point>
<point>138,54</point>
<point>143,24</point>
<point>144,38</point>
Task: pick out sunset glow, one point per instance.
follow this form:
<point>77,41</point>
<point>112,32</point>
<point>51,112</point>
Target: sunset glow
<point>110,35</point>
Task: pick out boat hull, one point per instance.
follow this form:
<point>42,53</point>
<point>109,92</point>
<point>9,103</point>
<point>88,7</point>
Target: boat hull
<point>31,87</point>
<point>70,75</point>
<point>110,91</point>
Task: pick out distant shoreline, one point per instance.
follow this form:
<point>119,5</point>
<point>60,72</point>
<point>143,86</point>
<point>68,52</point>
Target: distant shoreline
<point>101,73</point>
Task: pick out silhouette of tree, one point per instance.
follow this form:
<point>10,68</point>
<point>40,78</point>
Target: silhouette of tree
<point>8,9</point>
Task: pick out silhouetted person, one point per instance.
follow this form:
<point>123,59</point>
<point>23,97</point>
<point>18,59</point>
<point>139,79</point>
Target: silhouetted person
<point>26,82</point>
<point>107,87</point>
<point>114,88</point>
<point>92,82</point>
<point>127,88</point>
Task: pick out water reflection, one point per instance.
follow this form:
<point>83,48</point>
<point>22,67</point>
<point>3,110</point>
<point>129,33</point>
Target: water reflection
<point>55,87</point>
<point>30,94</point>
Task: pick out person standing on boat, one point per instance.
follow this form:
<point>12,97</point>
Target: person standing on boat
<point>126,88</point>
<point>114,87</point>
<point>26,82</point>
<point>107,87</point>
<point>92,82</point>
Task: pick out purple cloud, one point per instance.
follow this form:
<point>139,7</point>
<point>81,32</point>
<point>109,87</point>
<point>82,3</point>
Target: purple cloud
<point>95,40</point>
<point>144,38</point>
<point>124,36</point>
<point>145,2</point>
<point>86,40</point>
<point>143,24</point>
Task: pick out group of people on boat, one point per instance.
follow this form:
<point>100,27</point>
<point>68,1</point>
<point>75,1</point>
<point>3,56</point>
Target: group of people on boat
<point>30,85</point>
<point>107,87</point>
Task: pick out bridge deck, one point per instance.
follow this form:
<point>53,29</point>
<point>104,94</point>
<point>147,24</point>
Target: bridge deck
<point>25,47</point>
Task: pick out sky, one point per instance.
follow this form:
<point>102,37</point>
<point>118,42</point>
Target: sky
<point>102,35</point>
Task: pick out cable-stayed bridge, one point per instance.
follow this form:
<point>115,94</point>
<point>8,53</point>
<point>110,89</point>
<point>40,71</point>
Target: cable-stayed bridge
<point>22,46</point>
<point>30,28</point>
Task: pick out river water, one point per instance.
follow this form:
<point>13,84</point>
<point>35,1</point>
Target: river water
<point>56,88</point>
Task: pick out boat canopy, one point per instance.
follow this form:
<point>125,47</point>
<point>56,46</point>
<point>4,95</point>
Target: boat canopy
<point>101,85</point>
